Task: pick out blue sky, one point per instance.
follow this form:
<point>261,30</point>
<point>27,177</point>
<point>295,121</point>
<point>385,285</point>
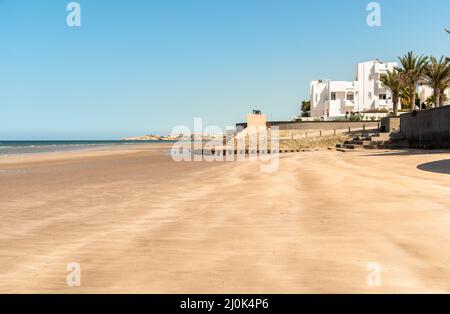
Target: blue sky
<point>138,67</point>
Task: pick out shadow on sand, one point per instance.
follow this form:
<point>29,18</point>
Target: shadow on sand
<point>439,166</point>
<point>408,152</point>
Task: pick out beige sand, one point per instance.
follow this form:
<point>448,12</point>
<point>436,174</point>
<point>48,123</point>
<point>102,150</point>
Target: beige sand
<point>138,222</point>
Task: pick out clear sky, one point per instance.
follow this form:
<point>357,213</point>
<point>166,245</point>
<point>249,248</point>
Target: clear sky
<point>138,67</point>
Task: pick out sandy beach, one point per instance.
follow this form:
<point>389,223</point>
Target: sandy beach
<point>136,221</point>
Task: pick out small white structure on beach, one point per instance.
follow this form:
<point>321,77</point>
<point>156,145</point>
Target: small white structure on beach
<point>256,120</point>
<point>334,99</point>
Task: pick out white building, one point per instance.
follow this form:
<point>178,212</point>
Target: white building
<point>426,91</point>
<point>333,99</point>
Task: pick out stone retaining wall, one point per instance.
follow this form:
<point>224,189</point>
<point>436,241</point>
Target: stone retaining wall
<point>427,128</point>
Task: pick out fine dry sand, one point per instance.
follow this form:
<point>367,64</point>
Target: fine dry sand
<point>138,222</point>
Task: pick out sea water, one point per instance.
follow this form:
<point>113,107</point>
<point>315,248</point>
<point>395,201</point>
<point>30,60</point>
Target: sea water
<point>33,147</point>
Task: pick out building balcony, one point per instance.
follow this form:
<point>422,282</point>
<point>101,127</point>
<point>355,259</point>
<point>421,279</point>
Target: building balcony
<point>340,104</point>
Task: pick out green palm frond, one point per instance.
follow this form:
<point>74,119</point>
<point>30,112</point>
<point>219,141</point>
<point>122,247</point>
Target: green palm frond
<point>412,72</point>
<point>393,81</point>
<point>437,76</point>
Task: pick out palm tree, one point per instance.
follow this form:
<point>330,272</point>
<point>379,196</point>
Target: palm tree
<point>437,76</point>
<point>393,81</point>
<point>404,96</point>
<point>448,31</point>
<point>411,72</point>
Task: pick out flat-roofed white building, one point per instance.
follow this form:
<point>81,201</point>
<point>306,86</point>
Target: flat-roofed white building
<point>333,99</point>
<point>426,91</point>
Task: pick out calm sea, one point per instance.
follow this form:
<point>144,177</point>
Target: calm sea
<point>32,147</point>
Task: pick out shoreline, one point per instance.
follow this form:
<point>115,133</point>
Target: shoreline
<point>99,151</point>
<point>18,148</point>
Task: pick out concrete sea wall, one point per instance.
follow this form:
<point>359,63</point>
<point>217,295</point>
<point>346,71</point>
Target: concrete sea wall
<point>325,125</point>
<point>427,128</point>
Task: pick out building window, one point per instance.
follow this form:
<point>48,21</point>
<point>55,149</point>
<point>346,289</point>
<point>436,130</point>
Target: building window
<point>350,96</point>
<point>370,95</point>
<point>382,96</point>
<point>333,96</point>
<point>316,97</point>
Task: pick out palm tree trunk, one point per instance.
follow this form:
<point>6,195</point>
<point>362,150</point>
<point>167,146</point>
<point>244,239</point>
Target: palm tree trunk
<point>441,97</point>
<point>412,97</point>
<point>395,104</point>
<point>436,96</point>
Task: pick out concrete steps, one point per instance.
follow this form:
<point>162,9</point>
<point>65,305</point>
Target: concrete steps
<point>352,146</point>
<point>381,137</point>
<point>371,140</point>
